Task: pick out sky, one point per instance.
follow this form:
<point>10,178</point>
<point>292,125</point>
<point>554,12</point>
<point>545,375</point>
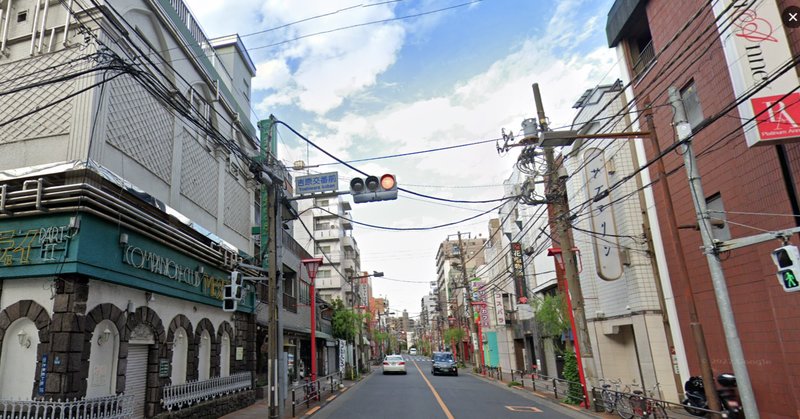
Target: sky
<point>371,78</point>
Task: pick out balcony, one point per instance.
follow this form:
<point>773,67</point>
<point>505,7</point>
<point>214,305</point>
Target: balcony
<point>347,221</point>
<point>646,56</point>
<point>330,234</point>
<point>349,265</point>
<point>349,242</point>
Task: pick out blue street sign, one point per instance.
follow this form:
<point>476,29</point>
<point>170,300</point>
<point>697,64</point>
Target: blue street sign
<point>323,182</point>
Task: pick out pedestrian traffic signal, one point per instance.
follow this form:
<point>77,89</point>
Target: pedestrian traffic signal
<point>787,259</point>
<point>372,188</point>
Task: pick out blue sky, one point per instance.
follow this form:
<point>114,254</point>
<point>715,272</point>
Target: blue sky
<point>437,80</point>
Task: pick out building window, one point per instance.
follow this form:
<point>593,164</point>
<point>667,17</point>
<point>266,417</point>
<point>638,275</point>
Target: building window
<point>22,16</point>
<point>322,202</point>
<point>716,211</point>
<point>691,103</point>
<point>322,226</point>
<point>324,273</point>
<point>305,298</point>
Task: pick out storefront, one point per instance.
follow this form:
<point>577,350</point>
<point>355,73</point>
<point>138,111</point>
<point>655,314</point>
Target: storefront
<point>96,303</point>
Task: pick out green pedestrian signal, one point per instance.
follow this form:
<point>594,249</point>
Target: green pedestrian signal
<point>787,259</point>
<point>789,279</point>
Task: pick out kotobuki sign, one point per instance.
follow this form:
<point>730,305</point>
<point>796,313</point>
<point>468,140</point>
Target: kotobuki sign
<point>323,182</point>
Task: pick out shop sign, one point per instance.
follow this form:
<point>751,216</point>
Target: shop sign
<point>34,245</point>
<point>163,368</point>
<point>518,273</point>
<point>605,240</point>
<point>756,47</point>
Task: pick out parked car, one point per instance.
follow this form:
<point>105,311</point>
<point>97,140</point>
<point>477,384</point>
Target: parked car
<point>394,364</point>
<point>412,351</point>
<point>444,363</point>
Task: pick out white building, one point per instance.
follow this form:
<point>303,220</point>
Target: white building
<point>125,144</point>
<point>325,229</point>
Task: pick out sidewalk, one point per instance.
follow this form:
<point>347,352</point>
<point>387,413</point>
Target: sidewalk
<point>260,409</point>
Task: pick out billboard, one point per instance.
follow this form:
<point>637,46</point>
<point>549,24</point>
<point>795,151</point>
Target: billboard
<point>518,272</point>
<point>755,46</point>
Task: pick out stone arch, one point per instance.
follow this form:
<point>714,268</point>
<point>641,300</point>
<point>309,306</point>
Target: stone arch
<point>100,312</point>
<point>181,321</point>
<point>225,328</point>
<point>38,315</point>
<point>213,357</point>
<point>148,317</point>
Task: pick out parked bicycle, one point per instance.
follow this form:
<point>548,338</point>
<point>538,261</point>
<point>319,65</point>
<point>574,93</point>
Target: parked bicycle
<point>645,405</point>
<point>609,397</point>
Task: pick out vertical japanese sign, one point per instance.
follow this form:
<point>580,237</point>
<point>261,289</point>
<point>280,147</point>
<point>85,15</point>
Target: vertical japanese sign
<point>499,309</point>
<point>604,239</point>
<point>755,46</point>
<point>518,272</point>
<point>342,352</point>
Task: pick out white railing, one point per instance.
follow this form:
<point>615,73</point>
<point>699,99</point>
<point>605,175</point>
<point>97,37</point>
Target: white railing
<point>110,407</point>
<point>187,394</point>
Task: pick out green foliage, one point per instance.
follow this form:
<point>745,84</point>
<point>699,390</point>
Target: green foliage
<point>515,384</point>
<point>551,314</point>
<point>343,321</point>
<point>454,334</point>
<point>571,374</point>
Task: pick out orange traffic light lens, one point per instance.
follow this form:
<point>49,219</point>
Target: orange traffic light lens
<point>387,181</point>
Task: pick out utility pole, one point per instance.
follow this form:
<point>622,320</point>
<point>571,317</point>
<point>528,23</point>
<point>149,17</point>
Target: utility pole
<point>711,251</point>
<point>465,284</point>
<point>677,246</point>
<point>267,238</point>
<point>558,197</point>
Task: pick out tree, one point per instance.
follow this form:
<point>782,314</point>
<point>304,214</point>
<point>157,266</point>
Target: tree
<point>343,322</point>
<point>454,335</point>
<point>551,314</point>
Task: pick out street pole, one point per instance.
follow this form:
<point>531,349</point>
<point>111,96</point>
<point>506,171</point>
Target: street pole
<point>584,354</point>
<point>480,339</point>
<point>711,251</point>
<point>467,292</point>
<point>268,132</point>
<point>677,246</point>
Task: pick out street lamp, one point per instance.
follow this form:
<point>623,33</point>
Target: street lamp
<point>312,265</point>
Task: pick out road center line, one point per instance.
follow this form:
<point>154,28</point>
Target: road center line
<point>435,393</point>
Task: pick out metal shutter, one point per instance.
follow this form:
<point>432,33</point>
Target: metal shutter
<point>136,377</point>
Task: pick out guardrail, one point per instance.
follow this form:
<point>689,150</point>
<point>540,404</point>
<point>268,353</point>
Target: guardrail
<point>110,407</point>
<point>196,391</point>
<point>313,390</point>
<point>637,405</point>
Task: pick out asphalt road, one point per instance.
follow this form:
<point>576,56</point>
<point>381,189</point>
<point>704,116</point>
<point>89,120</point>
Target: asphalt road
<point>421,395</point>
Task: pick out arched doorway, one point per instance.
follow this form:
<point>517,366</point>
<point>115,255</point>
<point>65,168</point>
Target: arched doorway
<point>103,359</point>
<point>18,360</point>
<point>139,342</point>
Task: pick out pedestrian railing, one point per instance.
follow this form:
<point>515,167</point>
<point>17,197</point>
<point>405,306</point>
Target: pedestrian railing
<point>637,405</point>
<point>110,407</point>
<point>571,392</point>
<point>180,395</point>
<point>310,391</point>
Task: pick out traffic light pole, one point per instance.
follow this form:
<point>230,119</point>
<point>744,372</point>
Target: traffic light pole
<point>711,251</point>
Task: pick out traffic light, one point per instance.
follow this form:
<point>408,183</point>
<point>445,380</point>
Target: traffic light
<point>787,259</point>
<point>232,294</point>
<point>373,188</point>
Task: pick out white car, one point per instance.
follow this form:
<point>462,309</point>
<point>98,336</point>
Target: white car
<point>412,351</point>
<point>395,364</point>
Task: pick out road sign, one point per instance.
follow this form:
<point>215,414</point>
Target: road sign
<point>322,182</point>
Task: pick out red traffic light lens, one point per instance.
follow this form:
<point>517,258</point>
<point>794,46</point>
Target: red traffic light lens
<point>387,181</point>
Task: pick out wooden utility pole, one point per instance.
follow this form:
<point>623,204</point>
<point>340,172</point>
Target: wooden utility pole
<point>557,196</point>
<point>470,309</point>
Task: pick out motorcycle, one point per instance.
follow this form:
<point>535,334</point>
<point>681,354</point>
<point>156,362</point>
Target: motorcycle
<point>696,396</point>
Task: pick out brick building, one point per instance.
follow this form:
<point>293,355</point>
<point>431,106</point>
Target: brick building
<point>750,189</point>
